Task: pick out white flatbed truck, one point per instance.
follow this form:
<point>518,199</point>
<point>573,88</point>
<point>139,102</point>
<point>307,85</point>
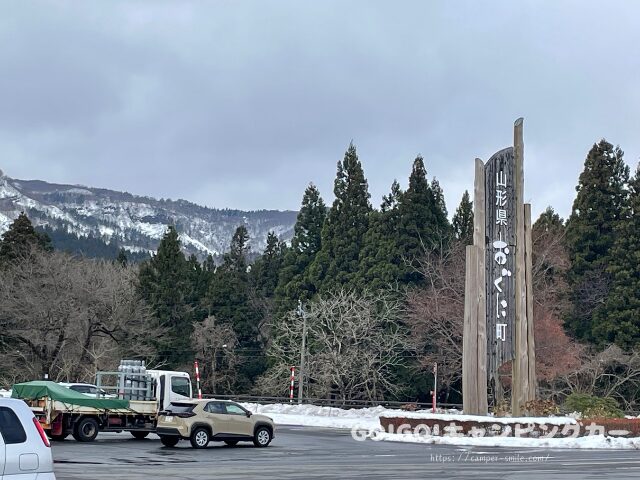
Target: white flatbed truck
<point>140,396</point>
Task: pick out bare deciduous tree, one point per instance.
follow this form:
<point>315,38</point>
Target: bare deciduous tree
<point>435,313</point>
<point>609,373</point>
<point>354,342</point>
<point>68,317</point>
<point>215,345</point>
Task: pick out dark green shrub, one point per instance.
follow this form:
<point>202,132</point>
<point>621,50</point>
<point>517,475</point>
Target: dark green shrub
<point>590,406</point>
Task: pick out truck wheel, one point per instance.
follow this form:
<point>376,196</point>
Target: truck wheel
<point>58,438</point>
<point>262,437</point>
<point>139,435</point>
<point>86,430</point>
<point>169,440</point>
<point>199,438</point>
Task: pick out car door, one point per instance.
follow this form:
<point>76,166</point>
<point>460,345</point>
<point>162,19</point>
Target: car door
<point>238,423</point>
<point>2,457</point>
<point>19,458</point>
<point>215,415</point>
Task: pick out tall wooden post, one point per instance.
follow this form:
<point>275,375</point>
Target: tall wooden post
<point>470,334</point>
<point>474,340</point>
<point>498,313</point>
<point>520,372</point>
<point>479,233</point>
<point>531,344</point>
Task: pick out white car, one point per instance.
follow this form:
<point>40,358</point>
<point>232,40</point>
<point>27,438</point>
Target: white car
<point>88,389</point>
<point>24,448</point>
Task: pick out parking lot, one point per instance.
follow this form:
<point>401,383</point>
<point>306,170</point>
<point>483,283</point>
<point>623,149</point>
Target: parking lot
<point>304,452</point>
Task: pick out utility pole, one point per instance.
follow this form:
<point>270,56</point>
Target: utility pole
<point>303,314</point>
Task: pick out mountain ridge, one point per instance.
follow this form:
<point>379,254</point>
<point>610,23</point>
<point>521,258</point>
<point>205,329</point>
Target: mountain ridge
<point>133,222</point>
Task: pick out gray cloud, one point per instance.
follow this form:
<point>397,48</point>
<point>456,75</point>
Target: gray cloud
<point>241,104</point>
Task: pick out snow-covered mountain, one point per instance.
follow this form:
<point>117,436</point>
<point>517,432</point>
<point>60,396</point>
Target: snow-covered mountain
<point>133,222</point>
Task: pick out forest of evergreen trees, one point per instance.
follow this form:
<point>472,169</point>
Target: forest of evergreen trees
<point>381,290</point>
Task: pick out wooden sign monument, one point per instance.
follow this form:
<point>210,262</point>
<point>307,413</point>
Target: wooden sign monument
<point>498,317</point>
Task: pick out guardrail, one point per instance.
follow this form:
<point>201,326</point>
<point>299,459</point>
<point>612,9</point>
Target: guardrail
<point>338,403</point>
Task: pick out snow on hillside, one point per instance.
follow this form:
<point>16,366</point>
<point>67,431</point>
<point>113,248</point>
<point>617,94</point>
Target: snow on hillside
<point>136,223</point>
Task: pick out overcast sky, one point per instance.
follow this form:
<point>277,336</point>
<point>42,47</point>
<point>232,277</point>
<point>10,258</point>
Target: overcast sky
<point>241,104</point>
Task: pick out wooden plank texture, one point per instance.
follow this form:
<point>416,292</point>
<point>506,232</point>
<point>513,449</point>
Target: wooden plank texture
<point>531,343</point>
<point>479,240</point>
<point>500,247</point>
<point>520,374</point>
<point>470,335</point>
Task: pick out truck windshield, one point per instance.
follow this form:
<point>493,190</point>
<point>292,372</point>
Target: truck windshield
<point>180,407</point>
<point>181,386</point>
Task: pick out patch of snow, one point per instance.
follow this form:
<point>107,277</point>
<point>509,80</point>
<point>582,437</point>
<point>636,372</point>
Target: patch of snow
<point>106,231</point>
<point>589,442</point>
<point>134,249</point>
<point>187,240</point>
<point>80,191</point>
<point>153,230</point>
<point>478,418</point>
<point>368,420</point>
<point>314,416</point>
<point>5,222</point>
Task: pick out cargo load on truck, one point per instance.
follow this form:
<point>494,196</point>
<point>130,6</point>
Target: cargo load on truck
<point>45,389</point>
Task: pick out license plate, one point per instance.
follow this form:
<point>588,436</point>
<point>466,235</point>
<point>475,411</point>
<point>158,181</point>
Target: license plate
<point>168,419</point>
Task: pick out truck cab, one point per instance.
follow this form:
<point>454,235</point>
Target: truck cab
<point>170,386</point>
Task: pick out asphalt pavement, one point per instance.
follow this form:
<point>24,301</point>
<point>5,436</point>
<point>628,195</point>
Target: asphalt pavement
<point>313,453</point>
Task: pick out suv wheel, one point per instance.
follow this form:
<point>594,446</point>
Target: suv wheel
<point>169,440</point>
<point>199,438</point>
<point>262,437</point>
<point>86,430</point>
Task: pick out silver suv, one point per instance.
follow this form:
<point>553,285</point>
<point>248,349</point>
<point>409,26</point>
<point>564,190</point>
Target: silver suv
<point>24,448</point>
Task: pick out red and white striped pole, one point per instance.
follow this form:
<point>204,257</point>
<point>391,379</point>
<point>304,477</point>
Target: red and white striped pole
<point>198,379</point>
<point>293,378</point>
<point>435,385</point>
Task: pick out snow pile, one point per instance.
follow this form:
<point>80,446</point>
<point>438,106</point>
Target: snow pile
<point>5,393</point>
<point>589,442</point>
<point>477,418</point>
<point>314,416</point>
<point>365,423</point>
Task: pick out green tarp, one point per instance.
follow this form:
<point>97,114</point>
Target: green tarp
<point>41,388</point>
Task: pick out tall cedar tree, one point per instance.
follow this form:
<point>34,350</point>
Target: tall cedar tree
<point>337,263</point>
<point>380,258</point>
<point>265,270</point>
<point>230,301</point>
<point>122,259</point>
<point>165,285</point>
<point>440,211</point>
<point>591,230</point>
<point>293,285</point>
<point>19,238</point>
<point>198,278</point>
<point>462,221</point>
<point>618,320</point>
<point>423,219</point>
